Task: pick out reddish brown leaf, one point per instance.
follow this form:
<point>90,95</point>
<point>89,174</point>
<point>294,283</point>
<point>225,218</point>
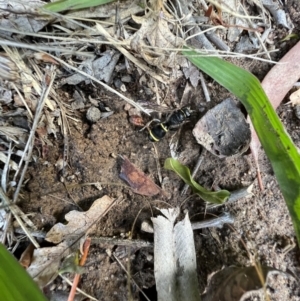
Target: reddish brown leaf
<point>281,78</point>
<point>209,11</point>
<point>26,257</point>
<point>45,58</point>
<point>137,180</point>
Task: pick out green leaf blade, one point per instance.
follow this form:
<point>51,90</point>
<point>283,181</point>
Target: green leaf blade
<point>277,144</point>
<point>62,5</point>
<point>216,197</point>
<point>15,283</point>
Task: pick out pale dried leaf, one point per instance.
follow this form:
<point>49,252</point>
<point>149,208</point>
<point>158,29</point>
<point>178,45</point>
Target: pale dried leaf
<point>18,15</point>
<point>13,133</point>
<point>130,57</point>
<point>28,81</point>
<point>79,222</point>
<point>101,68</point>
<point>60,164</point>
<point>51,128</point>
<point>175,258</point>
<point>3,158</point>
<point>45,263</point>
<point>156,32</point>
<point>3,217</point>
<point>5,95</point>
<point>294,98</point>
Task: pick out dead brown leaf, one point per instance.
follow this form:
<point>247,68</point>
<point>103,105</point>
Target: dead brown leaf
<point>137,180</point>
<point>45,58</point>
<point>26,257</point>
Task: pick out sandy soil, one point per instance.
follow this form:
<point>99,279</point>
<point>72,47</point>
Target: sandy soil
<point>262,221</point>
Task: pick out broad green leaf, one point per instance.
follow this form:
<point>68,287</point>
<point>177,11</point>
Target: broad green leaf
<point>62,5</point>
<point>216,197</point>
<point>277,144</point>
<point>15,283</point>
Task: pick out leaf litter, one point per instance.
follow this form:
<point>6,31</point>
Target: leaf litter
<point>137,180</point>
<point>45,263</point>
<point>149,44</point>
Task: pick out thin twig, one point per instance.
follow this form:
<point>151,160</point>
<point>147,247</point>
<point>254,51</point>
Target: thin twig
<point>86,247</point>
<point>204,87</point>
<point>218,222</point>
<point>78,289</point>
<point>13,208</point>
<point>135,243</point>
<point>129,276</point>
<point>235,195</point>
<point>29,146</point>
<point>4,175</point>
<point>27,154</point>
<point>224,218</point>
<point>157,163</point>
<point>40,47</point>
<point>22,99</point>
<point>217,41</point>
<point>133,103</point>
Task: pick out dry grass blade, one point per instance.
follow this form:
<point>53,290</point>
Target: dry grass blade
<point>27,154</point>
<point>226,8</point>
<point>129,276</point>
<point>130,101</point>
<point>23,100</point>
<point>29,146</point>
<point>6,159</point>
<point>8,69</point>
<point>27,79</point>
<point>16,212</point>
<point>4,43</point>
<point>12,133</point>
<point>4,175</point>
<point>128,55</point>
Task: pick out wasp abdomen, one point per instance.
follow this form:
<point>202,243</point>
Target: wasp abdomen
<point>177,118</point>
<point>158,131</point>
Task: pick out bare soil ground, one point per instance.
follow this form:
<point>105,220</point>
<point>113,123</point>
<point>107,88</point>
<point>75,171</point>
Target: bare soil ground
<point>262,221</point>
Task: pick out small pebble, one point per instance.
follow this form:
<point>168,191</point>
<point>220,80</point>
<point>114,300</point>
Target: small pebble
<point>93,114</point>
<point>149,257</point>
<point>126,79</point>
<point>148,91</point>
<point>118,83</point>
<point>127,107</point>
<point>123,88</point>
<point>146,227</point>
<point>297,111</point>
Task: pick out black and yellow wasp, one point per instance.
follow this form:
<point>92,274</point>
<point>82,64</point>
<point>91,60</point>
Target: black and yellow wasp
<point>159,130</point>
